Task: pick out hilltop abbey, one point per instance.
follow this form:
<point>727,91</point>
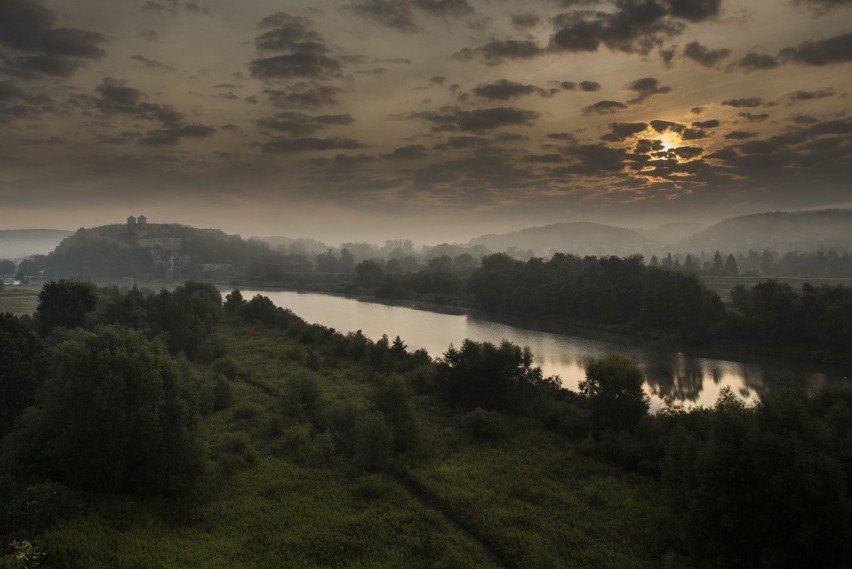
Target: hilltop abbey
<point>155,237</point>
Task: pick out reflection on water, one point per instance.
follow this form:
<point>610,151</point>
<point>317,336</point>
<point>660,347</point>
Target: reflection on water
<point>670,377</point>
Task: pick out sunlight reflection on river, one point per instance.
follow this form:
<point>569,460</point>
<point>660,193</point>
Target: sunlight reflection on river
<point>670,377</point>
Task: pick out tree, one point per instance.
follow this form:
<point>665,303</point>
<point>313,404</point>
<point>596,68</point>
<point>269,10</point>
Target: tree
<point>21,369</point>
<point>494,378</point>
<point>614,387</point>
<point>731,267</point>
<point>718,267</point>
<point>7,267</point>
<point>120,415</point>
<point>64,303</point>
<point>234,301</point>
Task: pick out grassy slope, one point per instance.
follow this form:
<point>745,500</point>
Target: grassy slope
<point>533,500</point>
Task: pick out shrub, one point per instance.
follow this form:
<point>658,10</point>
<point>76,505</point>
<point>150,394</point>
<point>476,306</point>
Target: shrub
<point>373,443</point>
<point>228,367</point>
<point>482,424</point>
<point>244,410</point>
<point>223,393</point>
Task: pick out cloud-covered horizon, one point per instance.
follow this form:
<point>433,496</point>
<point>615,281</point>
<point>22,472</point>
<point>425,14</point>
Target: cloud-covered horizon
<point>382,115</point>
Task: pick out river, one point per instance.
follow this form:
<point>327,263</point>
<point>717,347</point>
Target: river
<point>670,376</point>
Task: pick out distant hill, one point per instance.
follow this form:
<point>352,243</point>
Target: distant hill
<point>778,231</point>
<point>16,243</point>
<point>672,233</point>
<point>579,238</point>
<point>146,251</point>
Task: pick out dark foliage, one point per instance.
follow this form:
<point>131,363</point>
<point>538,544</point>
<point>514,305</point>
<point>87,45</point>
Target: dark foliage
<point>116,412</point>
<point>494,378</point>
<point>64,303</point>
<point>22,367</point>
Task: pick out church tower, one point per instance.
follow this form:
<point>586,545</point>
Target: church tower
<point>131,224</point>
<point>142,225</point>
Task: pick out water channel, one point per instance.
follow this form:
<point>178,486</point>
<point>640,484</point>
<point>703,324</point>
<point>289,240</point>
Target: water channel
<point>671,376</point>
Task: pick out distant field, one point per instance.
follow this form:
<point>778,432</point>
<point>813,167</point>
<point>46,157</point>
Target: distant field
<point>19,300</point>
<point>723,285</point>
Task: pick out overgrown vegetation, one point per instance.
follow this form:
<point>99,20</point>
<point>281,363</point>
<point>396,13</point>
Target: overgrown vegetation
<point>171,429</point>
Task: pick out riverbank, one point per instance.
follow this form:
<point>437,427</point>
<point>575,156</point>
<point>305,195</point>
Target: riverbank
<point>589,330</point>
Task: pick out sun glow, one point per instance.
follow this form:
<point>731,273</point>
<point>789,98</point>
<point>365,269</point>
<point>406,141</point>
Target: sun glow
<point>670,141</point>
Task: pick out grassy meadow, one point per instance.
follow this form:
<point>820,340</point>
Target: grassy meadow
<point>278,491</point>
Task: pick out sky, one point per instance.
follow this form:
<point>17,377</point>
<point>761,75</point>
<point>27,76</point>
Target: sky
<point>436,120</point>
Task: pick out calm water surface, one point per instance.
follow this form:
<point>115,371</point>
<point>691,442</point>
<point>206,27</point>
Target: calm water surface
<point>670,376</point>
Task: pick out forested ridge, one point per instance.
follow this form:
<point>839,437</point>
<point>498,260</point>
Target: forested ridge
<point>172,428</point>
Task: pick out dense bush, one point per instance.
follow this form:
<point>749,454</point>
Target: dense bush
<point>496,378</point>
<point>115,413</point>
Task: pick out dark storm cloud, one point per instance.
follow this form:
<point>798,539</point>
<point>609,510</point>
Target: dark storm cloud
<point>496,51</point>
<point>393,14</point>
<point>303,96</point>
<point>453,118</point>
<point>173,135</point>
<point>688,152</point>
<point>32,46</point>
<point>739,135</point>
<point>604,108</point>
<point>713,123</point>
<point>300,124</point>
<point>694,10</point>
<point>664,126</point>
<point>586,86</point>
<point>754,117</point>
<point>302,51</point>
<point>289,33</point>
<point>747,102</point>
<point>648,145</point>
<point>799,96</point>
<point>16,103</point>
<point>645,88</point>
<point>399,14</point>
<point>703,55</point>
<point>754,62</point>
<point>409,152</point>
<point>296,65</point>
<point>151,63</point>
<point>117,98</point>
<point>693,134</point>
<point>525,20</point>
<point>503,90</point>
<point>562,136</point>
<point>634,27</point>
<point>593,159</point>
<point>285,145</point>
<point>620,131</point>
<point>836,49</point>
